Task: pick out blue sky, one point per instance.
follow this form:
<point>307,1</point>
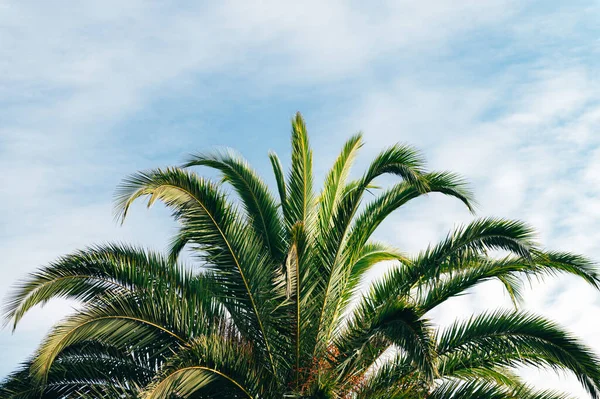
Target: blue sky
<point>505,92</point>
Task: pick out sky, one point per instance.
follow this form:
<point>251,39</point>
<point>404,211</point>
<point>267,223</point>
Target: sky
<point>504,92</point>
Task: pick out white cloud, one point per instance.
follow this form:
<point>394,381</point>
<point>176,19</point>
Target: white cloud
<point>517,115</point>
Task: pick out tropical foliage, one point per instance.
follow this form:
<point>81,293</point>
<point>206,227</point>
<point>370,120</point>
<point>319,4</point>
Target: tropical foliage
<point>276,308</point>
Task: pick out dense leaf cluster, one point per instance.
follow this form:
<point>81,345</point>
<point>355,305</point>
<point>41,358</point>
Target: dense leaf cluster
<point>276,308</point>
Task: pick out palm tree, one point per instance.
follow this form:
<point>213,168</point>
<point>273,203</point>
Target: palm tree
<point>276,308</point>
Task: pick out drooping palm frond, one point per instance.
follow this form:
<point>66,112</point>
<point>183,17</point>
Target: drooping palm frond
<point>87,275</point>
<point>486,390</point>
<point>276,308</point>
<point>348,275</point>
<point>466,242</point>
<point>397,378</point>
<point>87,369</point>
<point>395,323</point>
<point>227,244</point>
<point>221,360</point>
<point>258,202</point>
<point>512,339</point>
<point>511,271</point>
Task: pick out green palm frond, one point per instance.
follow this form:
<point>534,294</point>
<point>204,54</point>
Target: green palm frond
<point>334,265</point>
<point>223,360</point>
<point>372,253</point>
<point>465,242</point>
<point>401,160</point>
<point>395,323</point>
<point>224,241</point>
<point>120,324</point>
<point>300,198</point>
<point>87,275</point>
<point>281,184</point>
<point>397,378</point>
<point>335,182</point>
<point>260,205</point>
<point>486,390</point>
<point>82,370</point>
<point>364,225</point>
<point>512,271</point>
<point>515,338</point>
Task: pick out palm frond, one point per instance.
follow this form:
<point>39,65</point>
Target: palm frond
<point>226,243</point>
<point>397,323</point>
<point>400,160</point>
<point>220,363</point>
<point>280,180</point>
<point>81,370</point>
<point>514,338</point>
<point>109,270</point>
<point>345,275</point>
<point>396,378</point>
<point>486,390</point>
<point>258,202</point>
<point>512,271</point>
<point>300,199</point>
<point>335,182</point>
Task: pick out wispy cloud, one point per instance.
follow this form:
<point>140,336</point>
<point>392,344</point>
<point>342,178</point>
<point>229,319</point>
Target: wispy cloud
<point>502,91</point>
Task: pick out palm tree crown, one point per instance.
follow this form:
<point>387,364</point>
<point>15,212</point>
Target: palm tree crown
<point>276,307</point>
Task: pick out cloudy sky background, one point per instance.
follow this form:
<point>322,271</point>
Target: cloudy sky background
<point>505,92</point>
